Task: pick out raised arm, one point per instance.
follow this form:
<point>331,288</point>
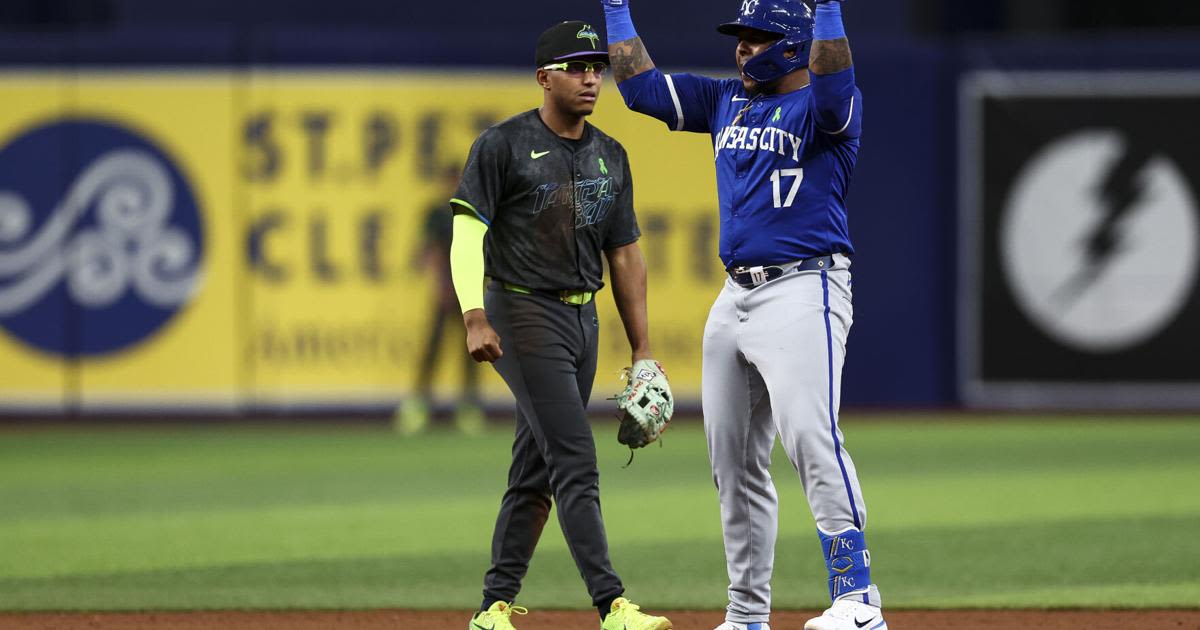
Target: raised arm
<point>832,73</point>
<point>625,49</point>
<point>830,51</point>
<point>682,101</point>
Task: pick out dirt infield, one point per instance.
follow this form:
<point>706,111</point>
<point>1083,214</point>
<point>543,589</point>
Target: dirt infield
<point>561,620</point>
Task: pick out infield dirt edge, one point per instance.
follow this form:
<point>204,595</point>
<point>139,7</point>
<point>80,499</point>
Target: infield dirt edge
<point>394,619</point>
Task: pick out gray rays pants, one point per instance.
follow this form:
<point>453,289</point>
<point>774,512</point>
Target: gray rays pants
<point>772,365</point>
<point>549,363</point>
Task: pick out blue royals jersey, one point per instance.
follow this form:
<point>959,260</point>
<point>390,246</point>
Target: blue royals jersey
<point>783,161</point>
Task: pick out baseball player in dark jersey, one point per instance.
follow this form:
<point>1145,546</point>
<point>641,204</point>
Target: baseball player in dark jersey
<point>785,137</point>
<point>543,194</point>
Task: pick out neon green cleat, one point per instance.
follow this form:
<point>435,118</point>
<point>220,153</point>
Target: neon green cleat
<point>469,419</point>
<point>412,416</point>
<point>625,615</point>
<point>496,617</point>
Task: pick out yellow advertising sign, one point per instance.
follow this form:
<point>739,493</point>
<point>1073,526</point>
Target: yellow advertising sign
<point>273,239</point>
<point>116,256</point>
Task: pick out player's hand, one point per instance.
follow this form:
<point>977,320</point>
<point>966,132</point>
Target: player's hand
<point>615,3</point>
<point>816,2</point>
<point>482,341</point>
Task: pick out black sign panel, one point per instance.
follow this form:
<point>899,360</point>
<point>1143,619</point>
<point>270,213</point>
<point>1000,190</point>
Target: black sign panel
<point>1081,217</point>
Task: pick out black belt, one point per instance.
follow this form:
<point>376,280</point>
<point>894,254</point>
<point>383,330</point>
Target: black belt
<point>754,276</point>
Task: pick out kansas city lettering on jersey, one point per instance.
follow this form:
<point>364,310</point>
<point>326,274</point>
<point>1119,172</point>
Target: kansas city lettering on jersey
<point>590,198</point>
<point>771,139</point>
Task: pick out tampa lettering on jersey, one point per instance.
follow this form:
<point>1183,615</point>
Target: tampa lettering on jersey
<point>771,139</point>
<point>591,199</point>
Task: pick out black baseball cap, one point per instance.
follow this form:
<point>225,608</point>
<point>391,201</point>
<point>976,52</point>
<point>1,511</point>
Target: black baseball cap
<point>570,40</point>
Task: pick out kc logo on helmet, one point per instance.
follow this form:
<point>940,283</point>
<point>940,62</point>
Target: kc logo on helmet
<point>749,6</point>
<point>100,238</point>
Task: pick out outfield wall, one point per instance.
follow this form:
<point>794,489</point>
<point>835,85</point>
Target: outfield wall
<point>289,268</point>
<point>285,278</point>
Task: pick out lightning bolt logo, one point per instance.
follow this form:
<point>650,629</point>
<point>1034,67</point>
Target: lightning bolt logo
<point>1119,197</point>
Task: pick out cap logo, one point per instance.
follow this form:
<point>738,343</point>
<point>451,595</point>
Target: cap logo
<point>749,6</point>
<point>587,33</point>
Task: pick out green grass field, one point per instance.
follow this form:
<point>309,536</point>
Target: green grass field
<point>1015,512</point>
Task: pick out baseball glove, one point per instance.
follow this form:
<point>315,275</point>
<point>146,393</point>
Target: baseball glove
<point>646,404</point>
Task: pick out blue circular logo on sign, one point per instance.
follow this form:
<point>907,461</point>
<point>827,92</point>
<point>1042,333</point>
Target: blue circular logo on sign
<point>100,238</point>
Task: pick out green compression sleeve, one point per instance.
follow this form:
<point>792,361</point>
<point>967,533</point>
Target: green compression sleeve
<point>466,260</point>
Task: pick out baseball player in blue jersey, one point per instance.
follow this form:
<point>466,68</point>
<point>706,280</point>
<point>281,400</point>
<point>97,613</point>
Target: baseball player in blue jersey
<point>785,139</point>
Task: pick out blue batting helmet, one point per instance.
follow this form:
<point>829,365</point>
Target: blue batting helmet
<point>792,20</point>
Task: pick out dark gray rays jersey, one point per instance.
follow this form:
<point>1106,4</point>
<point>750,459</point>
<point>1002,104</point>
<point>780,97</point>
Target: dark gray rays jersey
<point>552,205</point>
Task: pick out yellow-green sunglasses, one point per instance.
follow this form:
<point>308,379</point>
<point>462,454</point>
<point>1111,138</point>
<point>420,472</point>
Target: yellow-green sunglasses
<point>578,68</point>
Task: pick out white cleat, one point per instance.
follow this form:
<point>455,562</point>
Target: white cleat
<point>847,614</point>
<point>730,625</point>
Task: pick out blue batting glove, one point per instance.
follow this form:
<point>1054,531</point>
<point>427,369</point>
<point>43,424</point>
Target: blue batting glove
<point>615,3</point>
<point>825,1</point>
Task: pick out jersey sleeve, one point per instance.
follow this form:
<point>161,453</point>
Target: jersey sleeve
<point>482,184</point>
<point>623,228</point>
<point>685,102</point>
<point>838,103</point>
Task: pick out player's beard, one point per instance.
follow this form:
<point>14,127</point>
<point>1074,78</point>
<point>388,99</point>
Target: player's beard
<point>755,88</point>
<point>748,84</point>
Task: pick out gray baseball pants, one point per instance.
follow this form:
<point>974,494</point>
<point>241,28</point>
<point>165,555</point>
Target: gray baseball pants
<point>773,359</point>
